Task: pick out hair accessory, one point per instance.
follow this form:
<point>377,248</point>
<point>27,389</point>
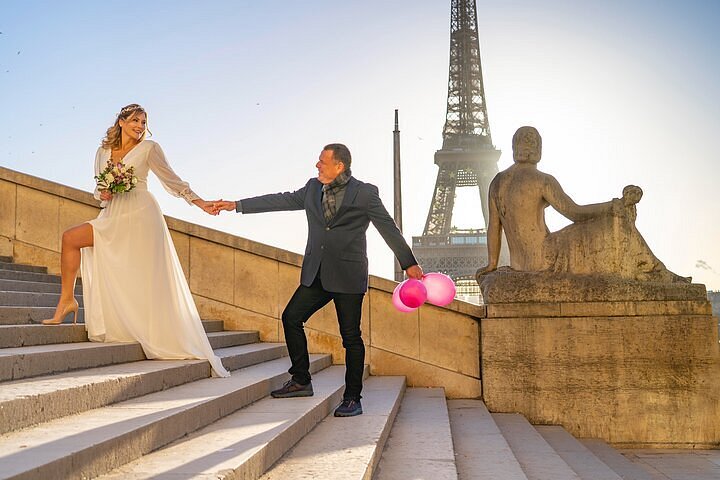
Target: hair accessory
<point>130,108</point>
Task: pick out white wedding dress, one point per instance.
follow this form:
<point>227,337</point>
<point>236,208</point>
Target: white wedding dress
<point>133,285</point>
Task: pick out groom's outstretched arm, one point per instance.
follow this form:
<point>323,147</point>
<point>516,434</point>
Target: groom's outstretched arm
<point>274,202</point>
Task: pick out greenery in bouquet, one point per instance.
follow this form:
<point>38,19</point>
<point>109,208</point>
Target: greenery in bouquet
<point>116,178</point>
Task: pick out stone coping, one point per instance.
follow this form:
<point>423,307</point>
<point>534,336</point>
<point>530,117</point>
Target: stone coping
<point>507,286</point>
<point>598,309</point>
<point>216,236</point>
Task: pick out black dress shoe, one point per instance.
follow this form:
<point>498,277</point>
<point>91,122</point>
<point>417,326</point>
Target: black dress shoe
<point>349,408</point>
<point>293,389</point>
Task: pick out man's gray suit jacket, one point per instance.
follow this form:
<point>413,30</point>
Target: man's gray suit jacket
<point>337,248</point>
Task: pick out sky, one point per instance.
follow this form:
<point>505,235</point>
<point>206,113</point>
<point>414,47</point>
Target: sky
<point>242,95</point>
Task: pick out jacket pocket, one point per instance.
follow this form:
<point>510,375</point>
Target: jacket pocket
<point>352,257</point>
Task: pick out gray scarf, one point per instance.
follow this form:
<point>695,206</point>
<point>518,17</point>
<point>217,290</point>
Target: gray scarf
<point>330,191</point>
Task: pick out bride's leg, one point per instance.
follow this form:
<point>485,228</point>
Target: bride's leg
<point>73,240</point>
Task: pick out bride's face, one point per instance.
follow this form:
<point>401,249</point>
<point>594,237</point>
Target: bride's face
<point>135,126</point>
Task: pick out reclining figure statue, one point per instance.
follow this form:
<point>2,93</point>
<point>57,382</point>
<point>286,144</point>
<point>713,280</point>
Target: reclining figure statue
<point>602,240</point>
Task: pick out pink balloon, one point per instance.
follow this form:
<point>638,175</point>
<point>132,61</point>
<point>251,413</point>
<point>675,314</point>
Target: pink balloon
<point>397,303</point>
<point>412,293</point>
<point>440,289</point>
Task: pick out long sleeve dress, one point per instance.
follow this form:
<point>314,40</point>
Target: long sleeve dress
<point>133,284</point>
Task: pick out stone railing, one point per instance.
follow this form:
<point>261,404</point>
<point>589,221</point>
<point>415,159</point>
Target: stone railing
<point>637,367</point>
<point>247,284</point>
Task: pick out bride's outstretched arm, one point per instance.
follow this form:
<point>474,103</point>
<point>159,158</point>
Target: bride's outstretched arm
<point>168,178</point>
<point>173,183</point>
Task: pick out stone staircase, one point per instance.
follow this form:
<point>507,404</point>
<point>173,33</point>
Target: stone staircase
<point>70,408</point>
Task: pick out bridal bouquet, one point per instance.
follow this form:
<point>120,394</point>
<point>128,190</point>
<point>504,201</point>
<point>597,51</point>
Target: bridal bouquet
<point>116,178</point>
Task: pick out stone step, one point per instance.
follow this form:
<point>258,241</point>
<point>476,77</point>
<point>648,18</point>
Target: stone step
<point>481,451</point>
<point>213,325</point>
<point>231,338</point>
<point>17,267</point>
<point>33,299</point>
<point>676,463</point>
<point>26,335</point>
<point>32,277</point>
<point>32,315</point>
<point>537,458</point>
<point>420,444</point>
<point>32,401</point>
<point>39,287</point>
<point>32,361</point>
<point>24,362</point>
<point>346,448</point>
<point>97,441</point>
<point>33,334</point>
<point>581,460</point>
<point>626,469</point>
<point>246,443</point>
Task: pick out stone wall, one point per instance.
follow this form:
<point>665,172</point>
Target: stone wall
<point>247,284</point>
<point>637,374</point>
<point>714,299</point>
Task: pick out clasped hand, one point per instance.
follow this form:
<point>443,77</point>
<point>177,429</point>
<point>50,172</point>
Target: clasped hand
<point>216,206</point>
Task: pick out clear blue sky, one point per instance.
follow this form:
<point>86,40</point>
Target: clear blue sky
<point>243,94</point>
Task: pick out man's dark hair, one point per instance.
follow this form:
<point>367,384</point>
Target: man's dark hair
<point>340,153</point>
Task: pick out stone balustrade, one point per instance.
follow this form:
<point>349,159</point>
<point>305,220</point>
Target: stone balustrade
<point>247,284</point>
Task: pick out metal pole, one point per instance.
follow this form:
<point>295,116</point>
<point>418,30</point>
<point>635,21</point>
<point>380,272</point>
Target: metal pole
<point>399,275</point>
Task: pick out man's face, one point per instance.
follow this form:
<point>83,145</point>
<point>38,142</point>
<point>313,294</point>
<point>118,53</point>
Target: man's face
<point>328,168</point>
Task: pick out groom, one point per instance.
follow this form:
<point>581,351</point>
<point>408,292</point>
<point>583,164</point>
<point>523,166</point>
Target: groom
<point>339,208</point>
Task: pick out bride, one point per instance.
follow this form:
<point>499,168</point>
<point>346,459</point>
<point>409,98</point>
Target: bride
<point>133,285</point>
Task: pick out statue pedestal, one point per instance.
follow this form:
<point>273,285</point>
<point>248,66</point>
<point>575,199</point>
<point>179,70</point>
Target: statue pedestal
<point>634,363</point>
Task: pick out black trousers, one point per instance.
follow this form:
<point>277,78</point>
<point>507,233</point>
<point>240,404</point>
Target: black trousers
<point>308,300</point>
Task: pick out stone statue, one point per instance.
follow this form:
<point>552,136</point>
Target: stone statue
<point>602,240</point>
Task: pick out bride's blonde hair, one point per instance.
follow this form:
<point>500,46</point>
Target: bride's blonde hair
<point>113,137</point>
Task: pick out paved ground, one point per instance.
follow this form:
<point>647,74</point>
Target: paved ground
<point>678,464</point>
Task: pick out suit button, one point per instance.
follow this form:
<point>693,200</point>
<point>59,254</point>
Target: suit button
<point>322,247</point>
<point>327,228</point>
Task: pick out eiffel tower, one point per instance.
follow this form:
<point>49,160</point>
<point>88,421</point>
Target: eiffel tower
<point>468,158</point>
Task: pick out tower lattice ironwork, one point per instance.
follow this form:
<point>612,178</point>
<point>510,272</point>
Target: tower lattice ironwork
<point>468,158</point>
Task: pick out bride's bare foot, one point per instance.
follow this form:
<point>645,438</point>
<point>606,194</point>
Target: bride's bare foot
<point>62,311</point>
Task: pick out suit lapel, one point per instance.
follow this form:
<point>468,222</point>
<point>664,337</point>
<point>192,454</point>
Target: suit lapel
<point>316,201</point>
<point>351,192</point>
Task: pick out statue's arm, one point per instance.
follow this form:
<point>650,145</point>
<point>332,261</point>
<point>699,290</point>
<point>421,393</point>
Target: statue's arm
<point>494,234</point>
<point>560,201</point>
